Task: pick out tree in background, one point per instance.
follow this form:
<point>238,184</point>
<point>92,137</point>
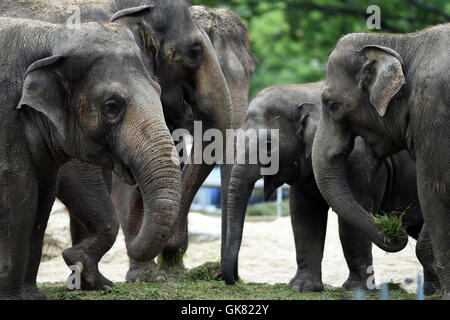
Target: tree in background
<point>292,39</point>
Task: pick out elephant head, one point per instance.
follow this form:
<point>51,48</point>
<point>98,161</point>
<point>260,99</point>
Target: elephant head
<point>93,94</point>
<point>182,58</point>
<point>282,109</point>
<point>363,83</point>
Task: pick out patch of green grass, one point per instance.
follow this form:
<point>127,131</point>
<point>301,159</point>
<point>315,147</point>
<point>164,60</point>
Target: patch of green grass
<point>172,259</point>
<point>206,272</point>
<point>391,223</point>
<point>201,283</point>
<point>211,290</point>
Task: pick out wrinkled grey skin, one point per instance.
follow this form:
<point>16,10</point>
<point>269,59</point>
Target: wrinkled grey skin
<point>294,110</point>
<point>230,39</point>
<point>75,93</point>
<point>183,61</point>
<point>378,86</point>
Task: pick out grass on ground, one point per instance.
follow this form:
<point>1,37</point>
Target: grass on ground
<point>200,284</point>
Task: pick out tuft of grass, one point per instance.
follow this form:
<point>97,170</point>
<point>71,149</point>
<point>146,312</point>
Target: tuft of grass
<point>198,284</point>
<point>172,259</point>
<point>391,223</point>
<point>205,272</point>
<point>213,290</point>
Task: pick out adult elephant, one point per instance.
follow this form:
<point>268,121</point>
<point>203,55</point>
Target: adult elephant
<point>393,90</point>
<point>230,39</point>
<point>180,56</point>
<point>294,111</point>
<point>76,93</point>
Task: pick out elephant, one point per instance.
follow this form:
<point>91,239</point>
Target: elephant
<point>182,60</point>
<point>295,110</point>
<point>76,93</point>
<point>393,91</point>
<point>230,39</point>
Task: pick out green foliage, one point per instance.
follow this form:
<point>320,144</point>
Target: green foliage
<point>172,259</point>
<point>205,272</point>
<point>268,209</point>
<point>391,223</point>
<point>215,290</point>
<point>293,38</point>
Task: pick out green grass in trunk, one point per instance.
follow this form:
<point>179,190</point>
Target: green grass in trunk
<point>391,223</point>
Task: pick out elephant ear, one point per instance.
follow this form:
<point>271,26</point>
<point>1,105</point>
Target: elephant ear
<point>44,91</point>
<point>307,118</point>
<point>382,75</point>
<point>135,19</point>
<point>129,12</point>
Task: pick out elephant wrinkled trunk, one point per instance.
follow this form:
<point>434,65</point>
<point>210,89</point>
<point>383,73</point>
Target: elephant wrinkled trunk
<point>151,158</point>
<point>329,166</point>
<point>214,106</point>
<point>243,179</point>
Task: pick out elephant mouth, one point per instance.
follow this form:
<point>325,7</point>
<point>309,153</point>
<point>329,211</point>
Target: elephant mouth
<point>271,183</point>
<point>123,172</point>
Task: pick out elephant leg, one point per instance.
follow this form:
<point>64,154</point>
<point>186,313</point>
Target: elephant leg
<point>18,207</point>
<point>309,221</point>
<point>424,252</point>
<point>358,254</point>
<point>435,204</point>
<point>93,225</point>
<point>46,200</point>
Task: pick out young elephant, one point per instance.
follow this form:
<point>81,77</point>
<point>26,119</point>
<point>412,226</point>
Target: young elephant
<point>76,93</point>
<point>294,111</point>
<point>393,90</point>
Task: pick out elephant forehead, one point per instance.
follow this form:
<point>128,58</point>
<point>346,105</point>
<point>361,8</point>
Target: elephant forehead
<point>96,37</point>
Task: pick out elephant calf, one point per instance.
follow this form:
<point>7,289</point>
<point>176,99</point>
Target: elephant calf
<point>76,93</point>
<point>295,111</point>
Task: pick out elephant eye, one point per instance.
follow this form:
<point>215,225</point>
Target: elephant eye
<point>332,106</point>
<point>112,109</point>
<point>195,53</point>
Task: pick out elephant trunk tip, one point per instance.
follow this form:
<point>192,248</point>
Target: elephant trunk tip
<point>228,275</point>
<point>392,245</point>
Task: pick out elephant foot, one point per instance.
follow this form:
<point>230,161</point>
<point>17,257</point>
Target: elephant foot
<point>360,280</point>
<point>33,293</point>
<point>91,278</point>
<point>430,288</point>
<point>173,272</point>
<point>431,283</point>
<point>144,272</point>
<point>303,282</point>
<point>14,296</point>
<point>356,284</point>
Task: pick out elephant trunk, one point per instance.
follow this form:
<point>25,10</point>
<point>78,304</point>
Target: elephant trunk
<point>242,182</point>
<point>151,157</point>
<point>214,107</point>
<point>213,100</point>
<point>329,164</point>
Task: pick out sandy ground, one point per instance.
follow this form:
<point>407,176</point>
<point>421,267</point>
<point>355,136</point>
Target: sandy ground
<point>267,253</point>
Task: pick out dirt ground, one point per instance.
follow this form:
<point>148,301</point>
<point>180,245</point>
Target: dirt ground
<point>267,253</point>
